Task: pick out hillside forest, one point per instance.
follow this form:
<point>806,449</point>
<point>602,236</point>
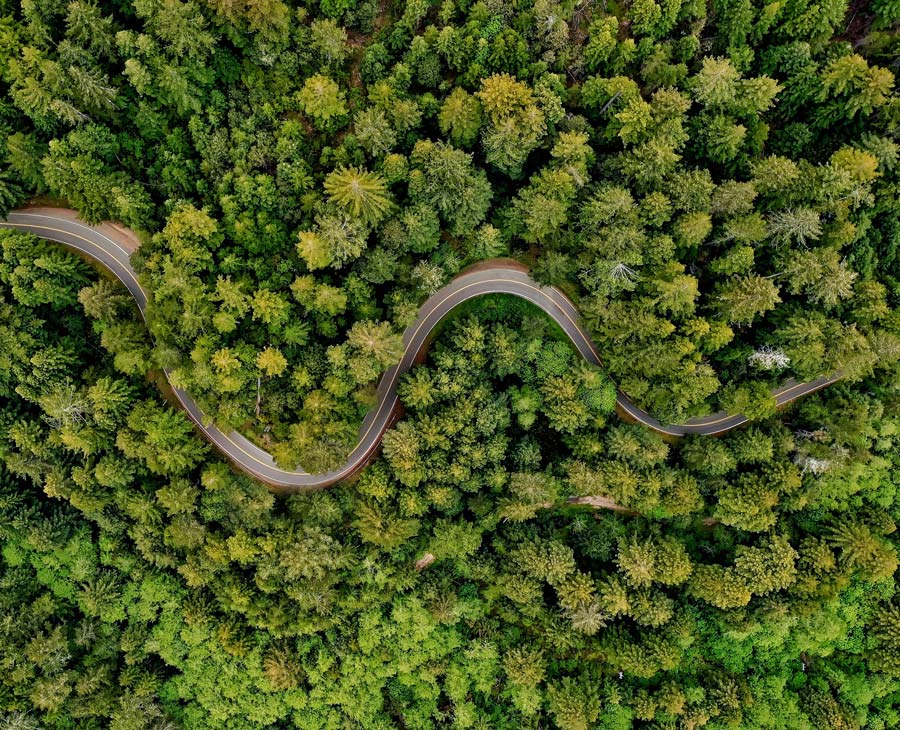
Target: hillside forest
<point>715,185</point>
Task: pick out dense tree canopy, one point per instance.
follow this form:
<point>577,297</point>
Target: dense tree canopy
<point>703,179</point>
<point>715,186</point>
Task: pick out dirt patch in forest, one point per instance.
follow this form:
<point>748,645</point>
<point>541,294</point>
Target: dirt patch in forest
<point>128,238</point>
<point>359,41</point>
<point>600,502</point>
<point>857,23</point>
<point>506,263</point>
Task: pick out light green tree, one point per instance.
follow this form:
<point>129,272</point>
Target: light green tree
<point>460,117</point>
<point>744,298</point>
<point>322,100</point>
<point>359,193</point>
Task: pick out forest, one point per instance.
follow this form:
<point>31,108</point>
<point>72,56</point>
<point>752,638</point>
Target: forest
<point>715,184</point>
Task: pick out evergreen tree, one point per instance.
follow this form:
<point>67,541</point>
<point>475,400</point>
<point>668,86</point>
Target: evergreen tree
<point>359,193</point>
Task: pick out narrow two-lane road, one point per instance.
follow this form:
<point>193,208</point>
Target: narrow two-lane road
<point>111,247</point>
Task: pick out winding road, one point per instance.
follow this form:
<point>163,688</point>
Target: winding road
<point>111,246</point>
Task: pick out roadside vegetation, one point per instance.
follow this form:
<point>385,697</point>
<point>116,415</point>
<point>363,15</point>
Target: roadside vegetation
<point>715,186</point>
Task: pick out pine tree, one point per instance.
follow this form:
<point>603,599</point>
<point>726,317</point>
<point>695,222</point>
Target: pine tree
<point>574,704</point>
<point>271,362</point>
<point>718,586</point>
<point>446,179</point>
<point>885,632</point>
<point>322,99</point>
<point>374,132</point>
<point>329,41</point>
<point>336,240</point>
<point>11,192</point>
<point>769,567</point>
<point>359,193</point>
<point>862,550</point>
<point>270,307</point>
<point>517,123</point>
<point>23,153</point>
<point>460,117</point>
<point>799,225</point>
<point>92,90</point>
<point>637,561</point>
<point>402,449</point>
<point>671,562</point>
<point>524,666</point>
<point>753,400</point>
<point>164,439</point>
<point>379,527</point>
<point>853,87</point>
<point>744,298</point>
<point>716,84</point>
<point>376,343</point>
<point>821,274</point>
<point>103,300</point>
<point>650,607</point>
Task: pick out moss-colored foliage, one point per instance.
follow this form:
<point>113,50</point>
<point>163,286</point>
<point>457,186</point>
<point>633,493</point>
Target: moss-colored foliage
<point>714,184</point>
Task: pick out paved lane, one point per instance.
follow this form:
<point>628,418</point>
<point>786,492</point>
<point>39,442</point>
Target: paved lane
<point>109,246</point>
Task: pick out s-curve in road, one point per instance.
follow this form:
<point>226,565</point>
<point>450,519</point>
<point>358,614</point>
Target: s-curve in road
<point>111,246</point>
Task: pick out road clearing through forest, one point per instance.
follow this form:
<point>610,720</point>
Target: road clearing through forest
<point>111,246</point>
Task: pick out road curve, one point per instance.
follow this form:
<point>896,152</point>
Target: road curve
<point>108,245</point>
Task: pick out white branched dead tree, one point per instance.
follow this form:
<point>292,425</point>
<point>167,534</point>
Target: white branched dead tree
<point>811,464</point>
<point>622,272</point>
<point>768,358</point>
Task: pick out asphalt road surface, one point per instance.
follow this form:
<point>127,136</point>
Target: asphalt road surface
<point>111,247</point>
